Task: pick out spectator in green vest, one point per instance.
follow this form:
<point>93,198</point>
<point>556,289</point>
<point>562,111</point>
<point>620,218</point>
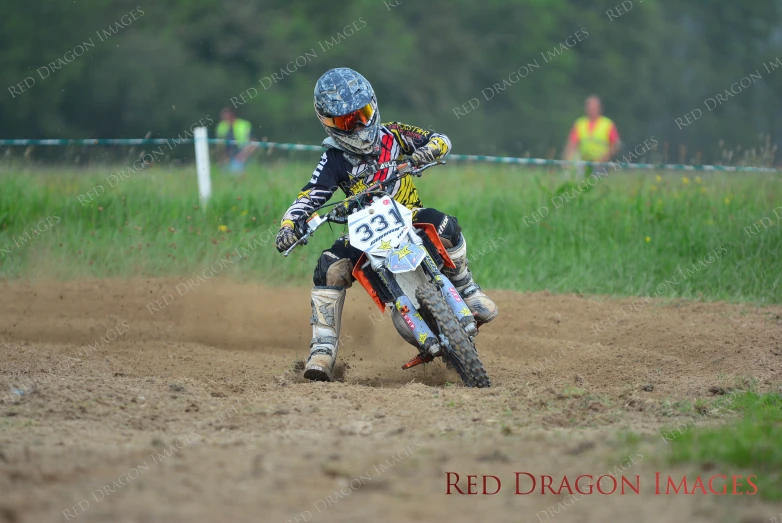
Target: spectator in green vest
<point>593,137</point>
<point>235,155</point>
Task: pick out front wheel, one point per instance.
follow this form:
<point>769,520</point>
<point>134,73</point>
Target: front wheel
<point>461,354</point>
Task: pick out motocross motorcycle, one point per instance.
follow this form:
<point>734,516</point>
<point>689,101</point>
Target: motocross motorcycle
<point>400,269</point>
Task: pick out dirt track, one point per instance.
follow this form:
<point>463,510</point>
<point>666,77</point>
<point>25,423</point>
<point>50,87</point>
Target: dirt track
<point>196,413</point>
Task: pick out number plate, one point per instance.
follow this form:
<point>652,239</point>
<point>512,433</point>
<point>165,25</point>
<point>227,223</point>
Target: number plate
<point>380,227</point>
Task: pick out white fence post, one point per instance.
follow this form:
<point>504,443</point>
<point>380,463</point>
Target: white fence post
<point>202,164</point>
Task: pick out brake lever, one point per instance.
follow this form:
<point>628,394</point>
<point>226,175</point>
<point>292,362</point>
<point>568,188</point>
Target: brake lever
<point>301,228</point>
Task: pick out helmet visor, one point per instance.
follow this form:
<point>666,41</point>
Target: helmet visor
<point>349,121</point>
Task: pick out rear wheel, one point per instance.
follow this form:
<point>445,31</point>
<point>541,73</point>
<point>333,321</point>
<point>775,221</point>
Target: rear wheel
<point>461,354</point>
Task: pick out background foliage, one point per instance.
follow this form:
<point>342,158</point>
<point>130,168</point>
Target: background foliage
<point>186,58</point>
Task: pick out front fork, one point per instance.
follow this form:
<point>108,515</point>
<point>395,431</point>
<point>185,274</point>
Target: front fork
<point>452,297</point>
<point>427,340</point>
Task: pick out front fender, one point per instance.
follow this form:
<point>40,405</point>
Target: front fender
<point>405,258</point>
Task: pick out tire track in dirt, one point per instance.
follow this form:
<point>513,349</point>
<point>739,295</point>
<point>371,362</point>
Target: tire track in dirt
<point>218,361</point>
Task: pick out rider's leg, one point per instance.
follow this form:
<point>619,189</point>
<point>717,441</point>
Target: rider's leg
<point>450,232</point>
<point>482,307</point>
<point>332,278</point>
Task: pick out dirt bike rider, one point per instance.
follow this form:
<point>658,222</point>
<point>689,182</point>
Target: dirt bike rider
<point>359,151</point>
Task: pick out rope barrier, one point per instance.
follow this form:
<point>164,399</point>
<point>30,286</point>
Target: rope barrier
<point>453,157</point>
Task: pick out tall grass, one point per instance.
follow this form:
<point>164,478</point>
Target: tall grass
<point>626,235</point>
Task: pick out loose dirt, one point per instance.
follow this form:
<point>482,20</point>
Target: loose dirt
<point>191,407</point>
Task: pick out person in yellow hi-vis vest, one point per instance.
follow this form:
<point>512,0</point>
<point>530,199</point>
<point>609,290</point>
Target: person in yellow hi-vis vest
<point>232,128</point>
<point>593,137</point>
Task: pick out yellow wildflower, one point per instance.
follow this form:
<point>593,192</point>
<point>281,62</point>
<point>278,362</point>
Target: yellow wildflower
<point>685,180</point>
<point>658,178</point>
<point>727,201</point>
<point>698,179</point>
<point>648,239</point>
<point>222,228</point>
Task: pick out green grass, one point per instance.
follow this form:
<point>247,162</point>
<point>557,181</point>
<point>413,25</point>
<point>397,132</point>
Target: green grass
<point>628,234</point>
<point>752,445</point>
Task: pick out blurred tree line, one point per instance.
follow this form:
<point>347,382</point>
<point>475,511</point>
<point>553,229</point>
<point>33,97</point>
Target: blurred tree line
<point>156,74</point>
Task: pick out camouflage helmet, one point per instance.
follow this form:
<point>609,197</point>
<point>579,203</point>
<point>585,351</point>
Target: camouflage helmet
<point>347,108</point>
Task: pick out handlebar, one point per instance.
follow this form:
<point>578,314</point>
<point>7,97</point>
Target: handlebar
<point>404,170</point>
<point>314,221</point>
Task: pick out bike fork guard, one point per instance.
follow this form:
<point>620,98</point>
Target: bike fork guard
<point>421,331</point>
<point>451,295</point>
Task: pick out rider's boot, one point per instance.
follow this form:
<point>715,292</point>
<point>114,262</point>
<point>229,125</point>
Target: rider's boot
<point>481,306</point>
<point>327,302</point>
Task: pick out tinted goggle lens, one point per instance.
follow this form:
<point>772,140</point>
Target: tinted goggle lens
<point>348,122</point>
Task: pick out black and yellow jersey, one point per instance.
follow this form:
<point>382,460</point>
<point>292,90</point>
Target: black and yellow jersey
<point>334,171</point>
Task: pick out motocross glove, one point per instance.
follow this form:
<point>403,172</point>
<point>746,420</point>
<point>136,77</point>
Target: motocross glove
<point>286,237</point>
<point>423,156</point>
